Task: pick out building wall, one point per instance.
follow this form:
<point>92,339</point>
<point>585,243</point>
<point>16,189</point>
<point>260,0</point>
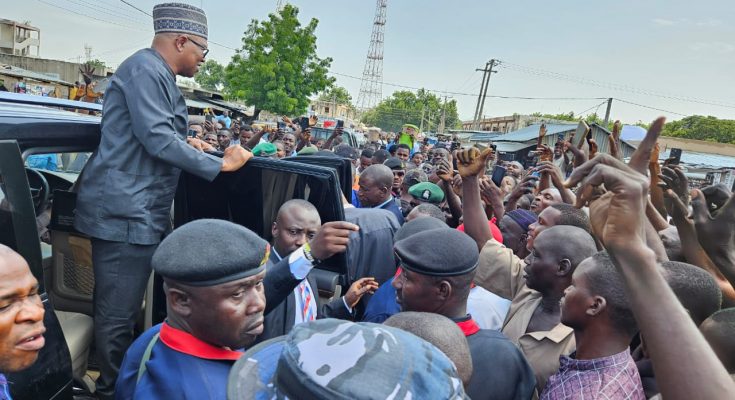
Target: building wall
<point>66,71</point>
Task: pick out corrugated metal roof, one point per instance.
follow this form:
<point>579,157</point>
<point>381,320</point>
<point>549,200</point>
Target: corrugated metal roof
<point>702,159</point>
<point>531,132</point>
<point>484,136</point>
<point>512,147</point>
<point>24,73</point>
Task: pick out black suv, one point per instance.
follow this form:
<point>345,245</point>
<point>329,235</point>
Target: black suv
<point>34,129</point>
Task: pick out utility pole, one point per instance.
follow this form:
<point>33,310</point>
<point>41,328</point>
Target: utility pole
<point>487,71</point>
<point>334,104</point>
<point>607,112</point>
<point>442,124</point>
<point>479,96</point>
<point>421,124</point>
<point>490,71</point>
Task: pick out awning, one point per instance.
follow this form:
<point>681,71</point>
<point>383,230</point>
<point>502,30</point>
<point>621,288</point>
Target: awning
<point>249,111</point>
<point>203,105</point>
<point>511,147</point>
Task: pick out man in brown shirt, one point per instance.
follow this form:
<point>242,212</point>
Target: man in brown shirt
<point>533,320</point>
<point>535,288</point>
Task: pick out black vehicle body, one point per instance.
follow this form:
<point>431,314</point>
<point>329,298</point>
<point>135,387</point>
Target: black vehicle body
<point>38,125</point>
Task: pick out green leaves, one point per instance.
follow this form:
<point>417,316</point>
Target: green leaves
<point>211,75</point>
<point>702,128</point>
<point>406,107</point>
<point>277,68</point>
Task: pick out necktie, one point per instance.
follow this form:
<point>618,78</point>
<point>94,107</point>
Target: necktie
<point>306,299</point>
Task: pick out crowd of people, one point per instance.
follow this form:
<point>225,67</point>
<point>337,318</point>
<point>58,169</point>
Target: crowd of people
<point>579,276</point>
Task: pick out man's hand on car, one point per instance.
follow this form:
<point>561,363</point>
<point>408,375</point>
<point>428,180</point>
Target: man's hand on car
<point>359,288</point>
<point>199,144</point>
<point>235,157</point>
<point>332,238</point>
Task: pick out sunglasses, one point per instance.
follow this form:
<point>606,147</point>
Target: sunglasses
<point>205,50</point>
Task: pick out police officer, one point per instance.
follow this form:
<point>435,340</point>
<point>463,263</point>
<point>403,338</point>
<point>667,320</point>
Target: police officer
<point>127,187</point>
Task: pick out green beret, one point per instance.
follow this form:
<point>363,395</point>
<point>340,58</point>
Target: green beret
<point>438,252</point>
<point>307,150</point>
<point>428,192</point>
<point>209,252</point>
<point>265,149</point>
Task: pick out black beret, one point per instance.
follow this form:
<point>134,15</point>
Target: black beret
<point>394,163</point>
<point>417,225</point>
<point>209,252</point>
<point>438,252</point>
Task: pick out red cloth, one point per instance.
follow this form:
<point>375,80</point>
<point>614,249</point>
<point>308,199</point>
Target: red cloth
<point>493,229</point>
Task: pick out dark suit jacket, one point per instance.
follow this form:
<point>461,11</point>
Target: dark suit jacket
<point>280,309</point>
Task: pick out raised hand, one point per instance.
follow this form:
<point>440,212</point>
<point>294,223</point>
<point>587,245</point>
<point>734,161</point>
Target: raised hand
<point>470,162</point>
<point>545,153</point>
<point>331,238</point>
<point>673,179</point>
<point>618,216</point>
<point>579,156</point>
<point>87,70</point>
<point>444,171</point>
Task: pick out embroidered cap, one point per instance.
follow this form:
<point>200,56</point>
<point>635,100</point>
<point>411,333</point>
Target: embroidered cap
<point>336,359</point>
<point>179,18</point>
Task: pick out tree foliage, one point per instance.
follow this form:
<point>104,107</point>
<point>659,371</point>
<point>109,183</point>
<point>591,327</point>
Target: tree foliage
<point>700,127</point>
<point>406,107</point>
<point>98,65</point>
<point>336,94</point>
<point>211,76</point>
<point>277,68</point>
<point>590,118</point>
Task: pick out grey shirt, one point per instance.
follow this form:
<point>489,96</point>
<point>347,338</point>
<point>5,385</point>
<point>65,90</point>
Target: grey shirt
<point>127,187</point>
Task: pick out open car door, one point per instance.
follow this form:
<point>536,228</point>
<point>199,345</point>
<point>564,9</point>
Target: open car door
<point>252,196</point>
<point>50,377</point>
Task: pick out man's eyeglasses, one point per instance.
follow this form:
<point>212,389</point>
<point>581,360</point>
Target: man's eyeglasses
<point>205,50</point>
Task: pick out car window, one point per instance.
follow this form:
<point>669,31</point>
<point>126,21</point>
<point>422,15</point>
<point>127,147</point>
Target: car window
<point>7,236</point>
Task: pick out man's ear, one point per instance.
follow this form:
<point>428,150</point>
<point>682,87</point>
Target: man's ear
<point>274,229</point>
<point>598,305</point>
<point>565,267</point>
<point>179,301</point>
<point>444,290</point>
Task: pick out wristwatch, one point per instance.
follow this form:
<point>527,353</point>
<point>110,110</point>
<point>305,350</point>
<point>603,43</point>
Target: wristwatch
<point>308,256</point>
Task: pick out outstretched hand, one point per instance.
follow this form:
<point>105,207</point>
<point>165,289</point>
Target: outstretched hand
<point>618,216</point>
<point>470,162</point>
<point>359,288</point>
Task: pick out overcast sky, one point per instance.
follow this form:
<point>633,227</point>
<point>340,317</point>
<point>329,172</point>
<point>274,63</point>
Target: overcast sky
<point>673,55</point>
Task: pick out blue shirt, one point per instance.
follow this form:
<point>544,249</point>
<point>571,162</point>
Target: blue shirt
<point>43,161</point>
<point>227,121</point>
<point>383,304</point>
<point>4,390</point>
<point>180,367</point>
<point>392,206</point>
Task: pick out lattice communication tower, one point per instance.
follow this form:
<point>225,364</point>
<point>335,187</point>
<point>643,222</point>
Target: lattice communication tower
<point>371,88</point>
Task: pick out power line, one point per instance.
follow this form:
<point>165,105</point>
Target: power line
<point>144,12</point>
<point>87,15</point>
<point>105,10</point>
<point>473,94</point>
<point>609,85</point>
<point>652,108</point>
